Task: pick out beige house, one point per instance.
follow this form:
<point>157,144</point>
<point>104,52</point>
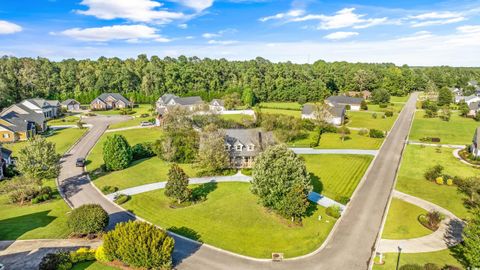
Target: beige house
<point>109,101</point>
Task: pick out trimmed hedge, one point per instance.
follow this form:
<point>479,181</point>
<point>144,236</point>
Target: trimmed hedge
<point>56,261</point>
<point>87,219</point>
<point>139,244</point>
<point>122,198</point>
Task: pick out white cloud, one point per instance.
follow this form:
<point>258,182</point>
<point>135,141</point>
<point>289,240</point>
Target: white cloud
<point>183,26</point>
<point>9,28</point>
<point>222,42</point>
<point>290,14</point>
<point>210,35</point>
<point>340,35</point>
<point>137,11</point>
<point>436,18</point>
<point>469,28</point>
<point>198,5</point>
<point>417,36</point>
<point>131,33</point>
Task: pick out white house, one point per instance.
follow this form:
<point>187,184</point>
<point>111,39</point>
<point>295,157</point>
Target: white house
<point>49,108</point>
<point>217,105</point>
<point>337,113</point>
<point>467,99</point>
<point>353,102</point>
<point>71,105</point>
<point>474,148</point>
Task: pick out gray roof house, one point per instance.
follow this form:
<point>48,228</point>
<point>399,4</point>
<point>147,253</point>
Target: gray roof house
<point>217,105</point>
<point>170,100</point>
<point>20,114</point>
<point>70,105</point>
<point>474,148</point>
<point>49,108</point>
<point>243,145</point>
<point>353,102</point>
<point>337,113</point>
<point>107,101</point>
<point>5,161</point>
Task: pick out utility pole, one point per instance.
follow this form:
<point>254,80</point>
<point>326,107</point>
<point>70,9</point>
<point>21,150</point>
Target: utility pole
<point>398,258</point>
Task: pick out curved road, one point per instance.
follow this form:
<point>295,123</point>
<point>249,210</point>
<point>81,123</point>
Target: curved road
<point>350,245</point>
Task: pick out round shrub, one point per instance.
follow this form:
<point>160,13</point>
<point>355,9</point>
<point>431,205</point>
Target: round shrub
<point>56,261</point>
<point>449,182</point>
<point>121,199</point>
<point>117,153</point>
<point>363,132</point>
<point>388,113</point>
<point>142,150</point>
<point>100,254</point>
<point>411,267</point>
<point>334,211</point>
<point>375,133</point>
<point>82,254</point>
<point>439,180</point>
<point>87,219</point>
<point>431,266</point>
<point>109,189</point>
<point>128,244</point>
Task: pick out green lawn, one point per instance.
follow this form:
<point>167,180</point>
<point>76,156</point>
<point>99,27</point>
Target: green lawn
<point>281,105</point>
<point>67,120</point>
<point>440,258</point>
<point>417,160</point>
<point>133,136</point>
<point>396,107</point>
<point>403,99</point>
<point>402,221</point>
<point>92,265</point>
<point>63,140</point>
<point>334,141</point>
<point>459,130</point>
<point>141,172</point>
<point>365,120</point>
<point>232,219</point>
<point>336,175</point>
<point>282,111</point>
<point>37,221</point>
<point>141,109</point>
<point>236,117</point>
<point>131,123</point>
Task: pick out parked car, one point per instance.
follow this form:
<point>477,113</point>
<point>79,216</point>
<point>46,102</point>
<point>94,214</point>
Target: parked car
<point>80,162</point>
<point>146,124</point>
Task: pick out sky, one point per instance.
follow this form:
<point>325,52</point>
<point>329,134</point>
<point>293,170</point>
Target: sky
<point>419,33</point>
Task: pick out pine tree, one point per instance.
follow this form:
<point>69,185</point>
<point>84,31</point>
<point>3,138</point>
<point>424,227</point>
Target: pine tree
<point>177,184</point>
<point>117,153</point>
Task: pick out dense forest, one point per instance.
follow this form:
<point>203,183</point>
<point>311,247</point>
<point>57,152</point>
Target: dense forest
<point>144,80</point>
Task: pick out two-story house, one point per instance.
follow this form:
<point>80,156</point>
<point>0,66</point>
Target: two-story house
<point>336,113</point>
<point>243,145</point>
<point>109,101</point>
<point>49,108</point>
<point>170,100</point>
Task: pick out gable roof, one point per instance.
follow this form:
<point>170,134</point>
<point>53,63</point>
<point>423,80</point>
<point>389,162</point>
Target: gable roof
<point>17,121</point>
<point>42,103</point>
<point>336,110</point>
<point>103,97</point>
<point>185,101</point>
<point>219,101</point>
<point>474,105</point>
<point>5,153</point>
<point>70,101</point>
<point>345,100</point>
<point>308,109</point>
<point>24,113</point>
<point>246,137</point>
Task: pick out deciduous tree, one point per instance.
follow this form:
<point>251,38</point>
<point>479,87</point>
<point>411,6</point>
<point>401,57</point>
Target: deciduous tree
<point>38,159</point>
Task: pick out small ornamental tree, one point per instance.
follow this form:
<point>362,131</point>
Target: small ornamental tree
<point>38,159</point>
<point>139,244</point>
<point>212,156</point>
<point>117,153</point>
<point>177,184</point>
<point>364,105</point>
<point>281,182</point>
<point>87,219</point>
<point>468,252</point>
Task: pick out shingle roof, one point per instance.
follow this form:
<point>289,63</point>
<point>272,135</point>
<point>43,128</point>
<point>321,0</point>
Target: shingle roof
<point>185,101</point>
<point>474,105</point>
<point>5,153</point>
<point>245,137</point>
<point>68,101</point>
<point>18,121</point>
<point>336,110</point>
<point>116,96</point>
<point>24,113</point>
<point>345,100</point>
<point>219,101</point>
<point>308,109</point>
<point>41,103</point>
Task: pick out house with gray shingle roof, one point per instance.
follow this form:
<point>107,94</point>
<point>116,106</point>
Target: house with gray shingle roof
<point>337,113</point>
<point>244,145</point>
<point>108,101</point>
<point>353,102</point>
<point>474,148</point>
<point>49,108</point>
<point>217,105</point>
<point>71,105</point>
<point>170,100</point>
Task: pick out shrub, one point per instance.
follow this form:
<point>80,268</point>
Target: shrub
<point>374,115</point>
<point>342,199</point>
<point>334,211</point>
<point>144,115</point>
<point>451,267</point>
<point>122,198</point>
<point>364,105</point>
<point>127,243</point>
<point>388,113</point>
<point>343,130</point>
<point>411,267</point>
<point>363,132</point>
<point>431,220</point>
<point>117,153</point>
<point>431,266</point>
<point>82,254</point>
<point>109,189</point>
<point>375,133</point>
<point>87,219</point>
<point>439,180</point>
<point>383,105</point>
<point>142,150</point>
<point>56,261</point>
<point>30,193</point>
<point>100,254</point>
<point>449,182</point>
<point>433,173</point>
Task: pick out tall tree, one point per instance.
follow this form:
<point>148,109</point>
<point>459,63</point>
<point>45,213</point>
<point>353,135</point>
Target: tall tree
<point>117,153</point>
<point>177,184</point>
<point>38,159</point>
<point>212,156</point>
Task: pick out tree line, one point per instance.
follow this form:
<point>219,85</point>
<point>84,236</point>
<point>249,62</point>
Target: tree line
<point>144,79</point>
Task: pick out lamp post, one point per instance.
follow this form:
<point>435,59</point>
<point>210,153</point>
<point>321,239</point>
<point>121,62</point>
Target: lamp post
<point>398,258</point>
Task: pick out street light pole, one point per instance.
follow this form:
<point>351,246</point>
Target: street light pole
<point>398,258</point>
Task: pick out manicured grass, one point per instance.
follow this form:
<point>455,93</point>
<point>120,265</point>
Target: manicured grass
<point>440,258</point>
<point>402,221</point>
<point>282,111</point>
<point>239,118</point>
<point>131,123</point>
<point>459,130</point>
<point>281,105</point>
<point>396,107</point>
<point>336,175</point>
<point>63,140</point>
<point>133,136</point>
<point>365,120</point>
<point>416,160</point>
<point>141,172</point>
<point>67,120</point>
<point>334,141</point>
<point>37,221</point>
<point>92,265</point>
<point>141,109</point>
<point>399,99</point>
<point>232,219</point>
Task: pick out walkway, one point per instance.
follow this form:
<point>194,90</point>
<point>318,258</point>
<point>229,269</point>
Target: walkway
<point>454,146</point>
<point>127,128</point>
<point>456,154</point>
<point>448,234</point>
<point>312,151</point>
<point>27,254</point>
<point>239,177</point>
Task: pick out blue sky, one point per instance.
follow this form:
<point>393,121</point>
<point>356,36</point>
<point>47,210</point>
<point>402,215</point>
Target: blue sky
<point>403,32</point>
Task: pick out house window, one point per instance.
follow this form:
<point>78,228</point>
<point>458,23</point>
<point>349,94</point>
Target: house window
<point>227,147</point>
<point>251,147</point>
<point>238,147</point>
<point>6,135</point>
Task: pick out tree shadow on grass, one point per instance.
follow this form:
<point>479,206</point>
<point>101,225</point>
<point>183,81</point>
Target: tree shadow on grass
<point>312,208</point>
<point>316,183</point>
<point>187,232</point>
<point>15,227</point>
<point>201,192</point>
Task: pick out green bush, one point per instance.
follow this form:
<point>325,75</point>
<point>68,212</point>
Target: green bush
<point>411,267</point>
<point>82,254</point>
<point>342,199</point>
<point>87,219</point>
<point>109,189</point>
<point>117,153</point>
<point>334,211</point>
<point>383,105</point>
<point>364,105</point>
<point>388,113</point>
<point>142,150</point>
<point>343,130</point>
<point>374,115</point>
<point>30,193</point>
<point>56,261</point>
<point>375,133</point>
<point>100,254</point>
<point>122,198</point>
<point>139,244</point>
<point>433,173</point>
<point>431,266</point>
<point>363,132</point>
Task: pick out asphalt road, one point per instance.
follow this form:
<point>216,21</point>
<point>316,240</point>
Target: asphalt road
<point>349,246</point>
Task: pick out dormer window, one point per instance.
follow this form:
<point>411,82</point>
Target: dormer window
<point>251,147</point>
<point>238,147</point>
<point>227,147</point>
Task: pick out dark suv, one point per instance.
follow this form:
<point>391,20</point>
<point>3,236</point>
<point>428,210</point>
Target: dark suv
<point>80,162</point>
